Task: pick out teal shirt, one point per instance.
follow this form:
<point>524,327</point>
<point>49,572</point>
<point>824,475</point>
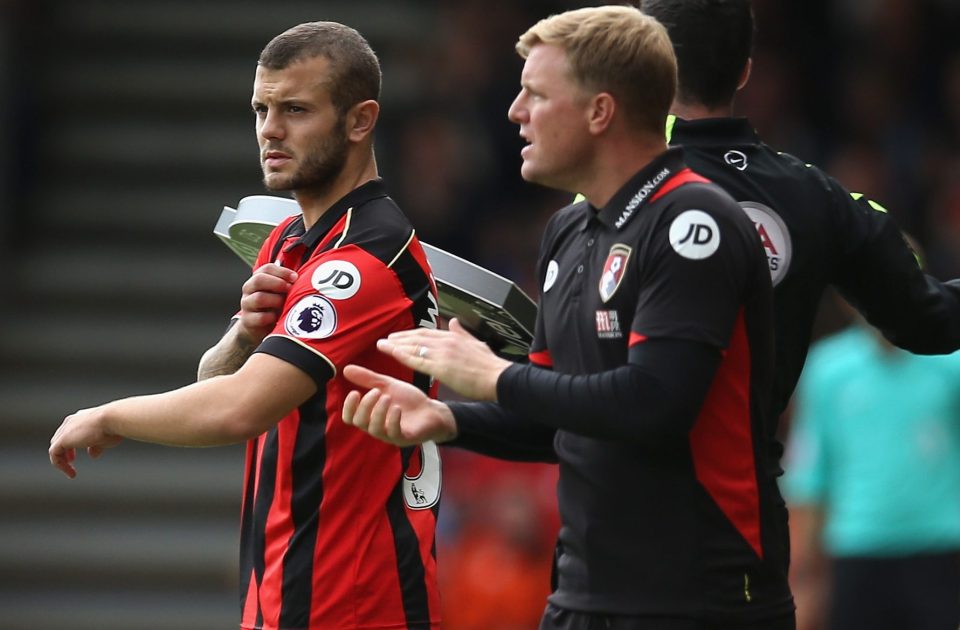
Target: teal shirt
<point>876,443</point>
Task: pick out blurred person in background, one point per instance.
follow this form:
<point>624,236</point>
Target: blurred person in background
<point>815,232</point>
<point>873,484</point>
<point>497,574</point>
<point>333,534</point>
<point>651,356</point>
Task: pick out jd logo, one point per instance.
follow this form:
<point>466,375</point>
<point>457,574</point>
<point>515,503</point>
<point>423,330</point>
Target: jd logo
<point>336,279</point>
<point>700,233</point>
<point>694,235</point>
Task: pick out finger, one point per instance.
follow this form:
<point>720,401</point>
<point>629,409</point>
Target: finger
<point>362,416</point>
<point>350,403</point>
<point>418,336</point>
<point>263,287</point>
<point>391,424</point>
<point>365,378</point>
<point>94,451</point>
<point>262,301</point>
<point>378,416</point>
<point>60,458</point>
<point>405,354</point>
<point>457,328</point>
<point>278,271</point>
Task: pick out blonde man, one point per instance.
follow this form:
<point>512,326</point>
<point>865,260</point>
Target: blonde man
<point>651,364</point>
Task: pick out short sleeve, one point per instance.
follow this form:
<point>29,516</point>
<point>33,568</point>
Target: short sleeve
<point>693,277</point>
<point>342,302</point>
<point>539,354</point>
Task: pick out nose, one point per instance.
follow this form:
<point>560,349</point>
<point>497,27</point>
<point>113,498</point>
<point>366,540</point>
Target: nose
<point>269,125</point>
<point>517,112</point>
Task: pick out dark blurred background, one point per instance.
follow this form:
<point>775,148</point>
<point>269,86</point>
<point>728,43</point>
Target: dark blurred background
<point>125,126</point>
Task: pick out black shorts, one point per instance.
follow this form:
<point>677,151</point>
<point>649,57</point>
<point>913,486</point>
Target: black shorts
<point>555,618</point>
<point>916,592</point>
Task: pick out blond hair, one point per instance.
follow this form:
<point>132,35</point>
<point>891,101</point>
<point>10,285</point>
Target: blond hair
<point>615,49</point>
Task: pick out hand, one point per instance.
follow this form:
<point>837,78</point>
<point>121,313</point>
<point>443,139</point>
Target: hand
<point>83,429</point>
<point>261,300</point>
<point>455,358</point>
<point>394,411</point>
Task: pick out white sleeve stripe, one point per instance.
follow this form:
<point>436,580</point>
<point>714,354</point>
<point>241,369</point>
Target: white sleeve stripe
<point>346,228</point>
<point>402,249</point>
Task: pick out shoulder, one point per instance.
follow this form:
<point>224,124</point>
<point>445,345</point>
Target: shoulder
<point>565,219</point>
<point>811,177</point>
<point>570,214</point>
<point>378,227</point>
<point>690,201</point>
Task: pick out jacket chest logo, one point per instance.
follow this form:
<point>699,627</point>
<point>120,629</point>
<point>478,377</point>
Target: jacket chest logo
<point>613,270</point>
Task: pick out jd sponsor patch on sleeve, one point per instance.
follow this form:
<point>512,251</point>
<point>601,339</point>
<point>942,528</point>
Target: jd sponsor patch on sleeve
<point>694,235</point>
<point>336,279</point>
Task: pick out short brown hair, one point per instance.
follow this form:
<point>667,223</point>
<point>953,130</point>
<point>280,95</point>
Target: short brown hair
<point>615,49</point>
<point>354,68</point>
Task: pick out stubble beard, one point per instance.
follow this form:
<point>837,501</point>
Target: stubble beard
<point>319,169</point>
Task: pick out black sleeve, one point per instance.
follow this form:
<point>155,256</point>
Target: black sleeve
<point>657,395</point>
<point>880,277</point>
<point>489,429</point>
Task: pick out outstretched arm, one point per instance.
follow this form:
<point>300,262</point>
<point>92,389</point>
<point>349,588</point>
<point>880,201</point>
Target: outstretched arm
<point>659,393</point>
<point>399,413</point>
<point>221,410</point>
<point>881,277</point>
<point>261,300</point>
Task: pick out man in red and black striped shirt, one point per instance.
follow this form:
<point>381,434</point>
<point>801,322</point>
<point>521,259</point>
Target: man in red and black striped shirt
<point>337,528</point>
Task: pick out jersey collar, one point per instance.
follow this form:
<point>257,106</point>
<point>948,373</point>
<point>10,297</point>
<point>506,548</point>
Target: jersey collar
<point>374,189</point>
<point>713,131</point>
<point>639,189</point>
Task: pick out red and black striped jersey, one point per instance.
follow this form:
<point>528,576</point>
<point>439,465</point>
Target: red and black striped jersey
<point>337,527</point>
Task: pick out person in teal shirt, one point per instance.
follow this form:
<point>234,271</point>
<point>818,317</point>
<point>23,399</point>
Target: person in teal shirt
<point>873,483</point>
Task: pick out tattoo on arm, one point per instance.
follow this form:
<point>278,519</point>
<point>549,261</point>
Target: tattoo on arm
<point>225,358</point>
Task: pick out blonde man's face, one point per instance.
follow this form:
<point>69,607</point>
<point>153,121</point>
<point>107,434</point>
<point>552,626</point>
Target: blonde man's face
<point>552,111</point>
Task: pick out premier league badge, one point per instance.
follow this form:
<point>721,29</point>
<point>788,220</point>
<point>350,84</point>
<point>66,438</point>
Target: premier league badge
<point>613,270</point>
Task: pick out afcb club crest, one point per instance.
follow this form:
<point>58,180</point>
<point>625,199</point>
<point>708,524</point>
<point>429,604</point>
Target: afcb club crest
<point>613,270</point>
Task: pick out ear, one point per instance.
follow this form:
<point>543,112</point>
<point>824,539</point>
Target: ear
<point>600,111</point>
<point>745,74</point>
<point>361,119</point>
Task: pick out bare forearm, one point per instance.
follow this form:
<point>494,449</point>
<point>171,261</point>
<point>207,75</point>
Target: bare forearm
<point>202,414</point>
<point>227,356</point>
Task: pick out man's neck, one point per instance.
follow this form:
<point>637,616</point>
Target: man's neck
<point>314,203</point>
<point>612,169</point>
<point>695,111</point>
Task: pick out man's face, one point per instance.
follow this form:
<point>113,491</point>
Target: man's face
<point>551,110</point>
<point>303,142</point>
